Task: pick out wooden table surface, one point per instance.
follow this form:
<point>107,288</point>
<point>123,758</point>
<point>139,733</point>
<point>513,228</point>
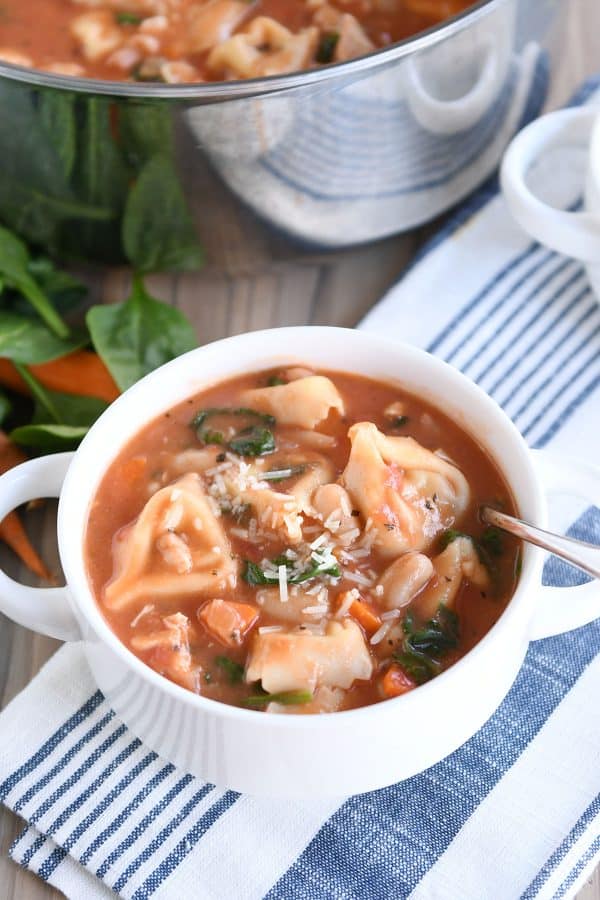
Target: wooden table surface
<point>253,284</point>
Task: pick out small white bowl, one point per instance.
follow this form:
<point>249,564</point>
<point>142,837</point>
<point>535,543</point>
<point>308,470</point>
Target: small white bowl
<point>575,234</point>
<point>298,756</point>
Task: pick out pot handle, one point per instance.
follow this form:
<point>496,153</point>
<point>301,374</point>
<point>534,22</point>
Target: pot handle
<point>47,610</point>
<point>562,609</point>
<point>453,116</point>
<point>575,234</point>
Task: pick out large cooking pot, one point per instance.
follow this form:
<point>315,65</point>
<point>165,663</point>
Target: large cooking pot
<point>334,156</point>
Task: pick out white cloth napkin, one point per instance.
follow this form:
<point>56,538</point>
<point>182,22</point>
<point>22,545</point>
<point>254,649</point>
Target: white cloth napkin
<point>513,813</point>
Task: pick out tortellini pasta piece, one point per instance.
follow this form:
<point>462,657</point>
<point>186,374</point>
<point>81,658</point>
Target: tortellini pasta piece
<point>403,580</point>
<point>459,560</point>
<point>408,493</point>
<point>305,402</point>
<point>264,48</point>
<point>169,647</point>
<point>304,661</point>
<point>97,33</point>
<point>213,22</point>
<point>176,548</point>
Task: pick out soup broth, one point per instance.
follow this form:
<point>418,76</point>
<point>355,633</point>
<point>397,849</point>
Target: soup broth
<point>300,542</point>
<point>179,41</point>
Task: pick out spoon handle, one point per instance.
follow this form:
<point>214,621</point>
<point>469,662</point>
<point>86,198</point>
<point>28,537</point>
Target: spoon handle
<point>579,553</point>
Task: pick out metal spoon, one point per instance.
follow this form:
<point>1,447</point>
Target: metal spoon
<point>579,553</point>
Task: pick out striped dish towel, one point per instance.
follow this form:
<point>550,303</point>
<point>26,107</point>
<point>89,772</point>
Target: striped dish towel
<point>514,813</point>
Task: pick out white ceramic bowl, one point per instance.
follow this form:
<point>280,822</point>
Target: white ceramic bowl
<point>575,234</point>
<point>298,756</point>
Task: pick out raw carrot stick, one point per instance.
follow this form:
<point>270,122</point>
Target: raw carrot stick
<point>10,454</point>
<point>11,529</point>
<point>396,682</point>
<point>13,534</point>
<point>81,372</point>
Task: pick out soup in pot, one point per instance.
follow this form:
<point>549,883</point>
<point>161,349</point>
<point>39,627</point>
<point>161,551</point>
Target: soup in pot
<point>179,41</point>
<point>300,542</point>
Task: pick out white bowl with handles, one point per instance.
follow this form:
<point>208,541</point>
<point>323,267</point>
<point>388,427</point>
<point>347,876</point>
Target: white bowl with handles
<point>299,756</point>
<point>575,234</point>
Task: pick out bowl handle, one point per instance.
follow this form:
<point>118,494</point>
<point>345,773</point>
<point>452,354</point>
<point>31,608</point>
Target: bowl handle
<point>562,609</point>
<point>575,234</point>
<point>47,610</point>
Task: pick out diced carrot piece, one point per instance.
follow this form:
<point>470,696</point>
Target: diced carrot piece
<point>227,621</point>
<point>365,616</point>
<point>396,682</point>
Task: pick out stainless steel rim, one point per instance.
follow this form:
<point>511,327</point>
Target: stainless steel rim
<point>228,90</point>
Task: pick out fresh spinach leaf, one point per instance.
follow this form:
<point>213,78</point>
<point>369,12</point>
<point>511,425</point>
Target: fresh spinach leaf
<point>233,669</point>
<point>145,131</point>
<point>62,409</point>
<point>14,270</point>
<point>139,335</point>
<point>158,231</point>
<point>26,340</point>
<point>36,197</point>
<point>57,116</point>
<point>60,421</point>
<point>65,292</point>
<point>49,438</point>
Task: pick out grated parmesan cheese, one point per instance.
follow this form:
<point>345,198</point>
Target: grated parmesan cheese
<point>283,588</point>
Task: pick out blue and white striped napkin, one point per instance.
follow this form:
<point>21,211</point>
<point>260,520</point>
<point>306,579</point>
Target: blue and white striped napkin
<point>514,813</point>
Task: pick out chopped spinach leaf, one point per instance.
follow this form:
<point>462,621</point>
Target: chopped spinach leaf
<point>399,421</point>
<point>436,637</point>
<point>326,47</point>
<point>425,646</point>
<point>492,541</point>
<point>319,564</point>
<point>285,698</point>
<point>212,437</point>
<point>201,416</point>
<point>275,381</point>
<point>233,669</point>
<point>254,575</point>
<point>448,537</point>
<point>416,666</point>
<point>253,441</point>
<point>127,18</point>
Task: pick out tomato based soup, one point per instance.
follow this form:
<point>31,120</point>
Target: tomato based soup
<point>298,542</point>
<point>179,41</point>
